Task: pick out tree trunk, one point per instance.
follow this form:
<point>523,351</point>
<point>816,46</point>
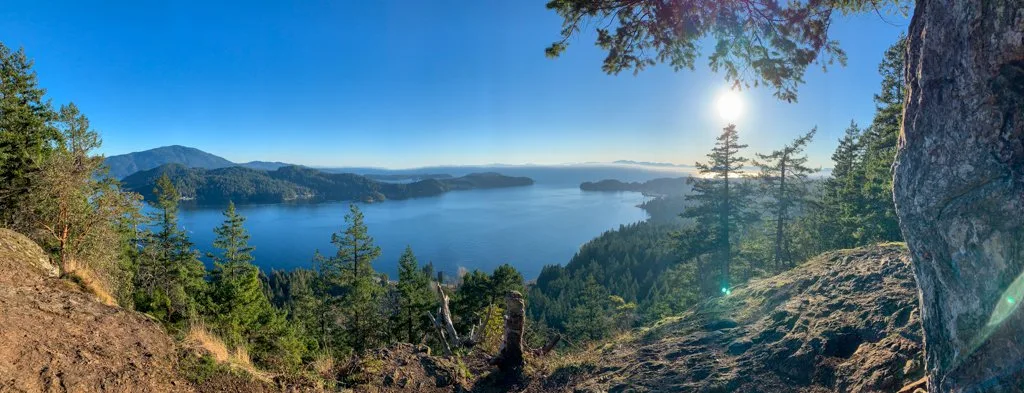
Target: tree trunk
<point>510,357</point>
<point>959,189</point>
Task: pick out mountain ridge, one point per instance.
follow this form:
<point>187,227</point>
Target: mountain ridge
<point>296,183</point>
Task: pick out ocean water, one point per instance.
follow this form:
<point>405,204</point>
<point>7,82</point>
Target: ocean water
<point>528,227</point>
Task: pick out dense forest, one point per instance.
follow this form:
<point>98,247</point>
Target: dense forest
<point>290,183</point>
<point>733,225</point>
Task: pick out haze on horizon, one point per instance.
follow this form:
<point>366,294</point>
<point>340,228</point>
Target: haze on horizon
<point>394,84</point>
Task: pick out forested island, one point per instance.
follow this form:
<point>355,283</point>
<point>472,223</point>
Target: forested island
<point>296,183</point>
<point>654,187</point>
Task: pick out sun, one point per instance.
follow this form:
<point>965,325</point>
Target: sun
<point>729,105</point>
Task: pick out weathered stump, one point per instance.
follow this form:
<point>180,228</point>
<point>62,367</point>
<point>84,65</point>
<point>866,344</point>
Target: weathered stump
<point>510,357</point>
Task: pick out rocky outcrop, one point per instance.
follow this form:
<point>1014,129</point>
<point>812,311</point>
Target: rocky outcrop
<point>846,321</point>
<point>959,188</point>
<point>56,338</point>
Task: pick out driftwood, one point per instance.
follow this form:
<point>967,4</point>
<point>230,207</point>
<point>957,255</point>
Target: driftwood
<point>510,357</point>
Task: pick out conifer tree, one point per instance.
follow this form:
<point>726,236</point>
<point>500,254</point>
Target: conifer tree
<point>838,214</point>
<point>880,142</point>
<point>351,269</point>
<point>26,133</point>
<point>415,298</point>
<point>783,178</point>
<point>237,299</point>
<point>171,278</point>
<point>722,198</point>
<point>74,210</point>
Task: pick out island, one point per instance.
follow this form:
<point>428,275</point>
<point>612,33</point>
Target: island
<point>297,183</point>
<point>661,187</point>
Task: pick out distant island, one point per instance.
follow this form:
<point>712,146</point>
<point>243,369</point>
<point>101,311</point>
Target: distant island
<point>295,183</point>
<point>654,187</point>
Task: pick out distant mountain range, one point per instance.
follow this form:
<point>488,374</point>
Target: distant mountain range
<point>126,164</point>
<point>293,183</point>
<point>648,163</point>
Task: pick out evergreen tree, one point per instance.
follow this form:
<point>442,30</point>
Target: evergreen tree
<point>351,269</point>
<point>26,133</point>
<point>589,316</point>
<point>171,278</point>
<point>722,199</point>
<point>838,214</point>
<point>74,210</point>
<point>783,178</point>
<point>879,222</point>
<point>415,299</point>
<point>238,302</point>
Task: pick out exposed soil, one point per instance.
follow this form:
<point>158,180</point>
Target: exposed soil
<point>56,338</point>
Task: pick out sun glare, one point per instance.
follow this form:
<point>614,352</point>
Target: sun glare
<point>729,105</point>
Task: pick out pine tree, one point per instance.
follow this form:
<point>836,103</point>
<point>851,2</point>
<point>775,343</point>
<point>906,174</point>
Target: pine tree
<point>26,133</point>
<point>351,269</point>
<point>879,142</point>
<point>722,198</point>
<point>415,299</point>
<point>838,214</point>
<point>588,318</point>
<point>74,210</point>
<point>783,178</point>
<point>171,278</point>
<point>238,302</point>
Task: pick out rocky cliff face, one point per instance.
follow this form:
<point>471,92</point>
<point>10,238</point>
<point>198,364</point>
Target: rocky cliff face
<point>56,338</point>
<point>846,321</point>
<point>959,188</point>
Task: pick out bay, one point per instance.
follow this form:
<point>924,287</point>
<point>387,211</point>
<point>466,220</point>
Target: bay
<point>528,227</point>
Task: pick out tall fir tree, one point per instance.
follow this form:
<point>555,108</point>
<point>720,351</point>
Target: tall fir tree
<point>722,199</point>
<point>783,179</point>
<point>838,213</point>
<point>171,278</point>
<point>238,303</point>
<point>415,298</point>
<point>27,135</point>
<point>351,269</point>
<point>880,142</point>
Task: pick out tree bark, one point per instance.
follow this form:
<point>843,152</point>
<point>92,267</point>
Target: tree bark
<point>510,357</point>
<point>959,189</point>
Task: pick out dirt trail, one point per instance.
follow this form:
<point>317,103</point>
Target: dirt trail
<point>56,338</point>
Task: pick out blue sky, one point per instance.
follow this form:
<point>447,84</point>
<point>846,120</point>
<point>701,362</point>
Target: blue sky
<point>403,84</point>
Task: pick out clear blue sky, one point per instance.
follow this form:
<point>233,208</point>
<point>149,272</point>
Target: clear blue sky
<point>402,83</point>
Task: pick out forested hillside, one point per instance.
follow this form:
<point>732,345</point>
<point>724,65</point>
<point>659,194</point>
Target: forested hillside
<point>291,183</point>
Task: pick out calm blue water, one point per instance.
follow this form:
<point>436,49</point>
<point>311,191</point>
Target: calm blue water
<point>528,227</point>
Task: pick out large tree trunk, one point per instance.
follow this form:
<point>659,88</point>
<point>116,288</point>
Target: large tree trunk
<point>959,189</point>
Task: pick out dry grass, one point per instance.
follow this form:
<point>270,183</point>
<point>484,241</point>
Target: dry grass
<point>200,338</point>
<point>89,282</point>
<point>323,365</point>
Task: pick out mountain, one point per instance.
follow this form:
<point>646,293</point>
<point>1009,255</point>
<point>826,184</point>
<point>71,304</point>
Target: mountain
<point>658,187</point>
<point>127,164</point>
<point>290,183</point>
<point>647,163</point>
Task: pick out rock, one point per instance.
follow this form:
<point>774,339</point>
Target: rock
<point>57,338</point>
<point>959,188</point>
<point>844,321</point>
